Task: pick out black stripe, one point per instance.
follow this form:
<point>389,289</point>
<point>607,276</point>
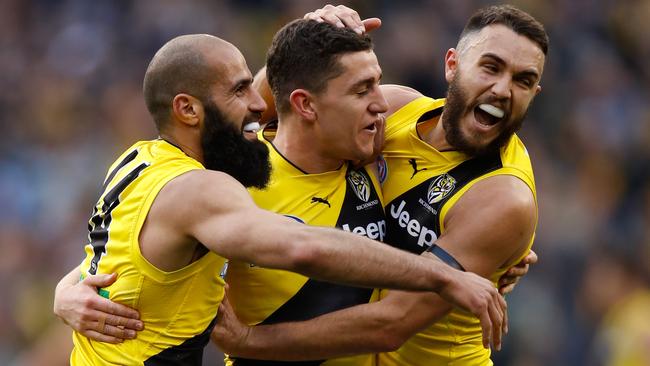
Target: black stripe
<point>188,353</point>
<point>129,158</point>
<point>445,257</point>
<point>101,219</point>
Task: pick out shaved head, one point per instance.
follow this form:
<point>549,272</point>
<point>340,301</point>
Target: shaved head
<point>186,64</point>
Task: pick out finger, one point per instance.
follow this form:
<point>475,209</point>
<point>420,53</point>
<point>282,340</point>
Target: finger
<point>102,326</point>
<point>504,307</point>
<point>102,280</point>
<point>503,290</point>
<point>114,308</point>
<point>350,18</point>
<point>94,335</point>
<point>518,270</point>
<point>507,281</point>
<point>496,314</point>
<point>371,24</point>
<point>125,323</point>
<point>313,16</point>
<point>355,16</point>
<point>332,19</point>
<point>118,332</point>
<point>486,326</point>
<point>505,321</point>
<point>531,258</point>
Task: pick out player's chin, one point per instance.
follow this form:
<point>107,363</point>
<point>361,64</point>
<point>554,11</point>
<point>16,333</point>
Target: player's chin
<point>364,152</point>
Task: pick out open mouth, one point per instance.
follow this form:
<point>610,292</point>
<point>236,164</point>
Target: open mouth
<point>251,127</point>
<point>371,127</point>
<point>249,131</point>
<point>488,115</point>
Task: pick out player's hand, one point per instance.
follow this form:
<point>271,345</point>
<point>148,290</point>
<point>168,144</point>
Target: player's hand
<point>478,295</point>
<point>83,309</point>
<point>509,279</point>
<point>342,16</point>
<point>229,333</point>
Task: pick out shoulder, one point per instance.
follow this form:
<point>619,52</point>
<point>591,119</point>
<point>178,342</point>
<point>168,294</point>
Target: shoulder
<point>500,209</point>
<point>202,190</point>
<point>398,96</point>
<point>504,196</point>
<point>491,224</point>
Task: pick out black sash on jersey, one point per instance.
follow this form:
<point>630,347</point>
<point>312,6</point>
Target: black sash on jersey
<point>423,203</point>
<point>188,353</point>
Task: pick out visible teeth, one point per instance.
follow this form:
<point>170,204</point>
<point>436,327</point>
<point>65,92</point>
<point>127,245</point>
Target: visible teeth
<point>252,127</point>
<point>492,110</point>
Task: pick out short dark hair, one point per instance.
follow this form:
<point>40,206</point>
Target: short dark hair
<point>305,54</point>
<point>178,67</point>
<point>518,20</point>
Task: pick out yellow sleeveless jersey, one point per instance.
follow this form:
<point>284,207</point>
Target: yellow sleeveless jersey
<point>176,307</point>
<point>345,198</point>
<point>421,185</point>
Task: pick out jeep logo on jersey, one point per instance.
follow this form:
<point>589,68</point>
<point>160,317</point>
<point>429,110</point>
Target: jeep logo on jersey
<point>374,230</point>
<point>440,188</point>
<point>360,185</point>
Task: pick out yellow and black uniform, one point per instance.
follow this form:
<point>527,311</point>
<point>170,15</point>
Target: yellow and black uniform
<point>345,198</point>
<point>176,307</point>
<point>422,184</point>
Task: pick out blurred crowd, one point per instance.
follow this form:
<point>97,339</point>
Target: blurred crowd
<point>71,100</point>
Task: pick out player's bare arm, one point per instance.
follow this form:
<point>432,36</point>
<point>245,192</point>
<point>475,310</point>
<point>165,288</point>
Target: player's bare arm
<point>497,234</point>
<point>323,253</point>
<point>253,235</point>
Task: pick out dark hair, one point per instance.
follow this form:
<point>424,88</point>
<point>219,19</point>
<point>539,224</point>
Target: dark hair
<point>304,55</point>
<point>178,67</point>
<point>519,21</point>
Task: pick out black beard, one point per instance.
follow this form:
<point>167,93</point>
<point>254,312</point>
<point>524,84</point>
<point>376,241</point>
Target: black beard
<point>455,105</point>
<point>226,149</point>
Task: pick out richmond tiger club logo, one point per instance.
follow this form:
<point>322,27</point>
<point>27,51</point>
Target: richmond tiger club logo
<point>360,185</point>
<point>440,188</point>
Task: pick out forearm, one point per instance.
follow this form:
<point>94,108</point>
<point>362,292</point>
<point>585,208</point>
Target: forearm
<point>355,330</point>
<point>381,326</point>
<point>333,255</point>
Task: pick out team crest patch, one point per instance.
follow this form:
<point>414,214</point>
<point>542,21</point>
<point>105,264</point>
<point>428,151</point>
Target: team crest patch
<point>382,168</point>
<point>360,185</point>
<point>440,188</point>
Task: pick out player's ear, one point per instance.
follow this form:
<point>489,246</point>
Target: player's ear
<point>301,102</point>
<point>451,64</point>
<point>187,109</point>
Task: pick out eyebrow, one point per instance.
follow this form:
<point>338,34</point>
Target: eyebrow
<point>241,83</point>
<point>502,62</point>
<point>366,81</point>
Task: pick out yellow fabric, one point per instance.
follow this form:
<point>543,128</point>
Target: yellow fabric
<point>624,332</point>
<point>174,306</point>
<point>456,339</point>
<point>257,292</point>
